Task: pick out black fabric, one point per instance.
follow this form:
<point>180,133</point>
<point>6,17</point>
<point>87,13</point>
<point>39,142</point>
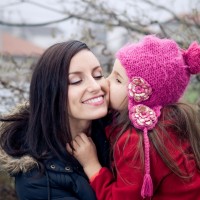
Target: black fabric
<point>100,140</point>
<point>60,180</point>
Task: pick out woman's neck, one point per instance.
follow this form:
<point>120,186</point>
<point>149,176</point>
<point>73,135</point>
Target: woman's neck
<point>81,126</point>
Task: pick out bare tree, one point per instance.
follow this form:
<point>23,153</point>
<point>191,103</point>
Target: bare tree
<point>96,19</point>
<point>100,12</point>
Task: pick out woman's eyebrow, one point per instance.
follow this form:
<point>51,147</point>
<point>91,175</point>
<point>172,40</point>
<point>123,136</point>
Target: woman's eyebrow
<point>79,72</point>
<point>75,72</point>
<point>97,67</point>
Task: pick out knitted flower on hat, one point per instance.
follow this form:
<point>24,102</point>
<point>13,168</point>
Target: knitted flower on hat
<point>159,72</point>
<point>139,89</point>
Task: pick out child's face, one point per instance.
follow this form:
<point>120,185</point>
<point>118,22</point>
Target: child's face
<point>118,87</point>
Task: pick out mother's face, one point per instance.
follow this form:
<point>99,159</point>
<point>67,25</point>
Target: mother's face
<point>88,89</point>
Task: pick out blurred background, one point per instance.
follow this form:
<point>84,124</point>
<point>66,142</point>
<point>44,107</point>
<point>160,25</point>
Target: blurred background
<point>28,27</point>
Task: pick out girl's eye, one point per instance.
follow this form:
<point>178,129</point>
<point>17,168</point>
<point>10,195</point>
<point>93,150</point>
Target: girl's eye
<point>118,80</point>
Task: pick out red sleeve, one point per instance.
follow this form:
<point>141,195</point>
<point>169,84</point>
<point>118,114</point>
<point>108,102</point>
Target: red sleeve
<point>128,181</point>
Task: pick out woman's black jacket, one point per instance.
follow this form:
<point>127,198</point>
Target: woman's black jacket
<point>60,180</point>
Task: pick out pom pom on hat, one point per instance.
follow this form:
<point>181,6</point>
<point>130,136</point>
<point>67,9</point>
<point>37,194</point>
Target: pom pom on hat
<point>192,58</point>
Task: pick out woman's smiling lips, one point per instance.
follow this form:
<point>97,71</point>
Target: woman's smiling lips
<point>95,101</point>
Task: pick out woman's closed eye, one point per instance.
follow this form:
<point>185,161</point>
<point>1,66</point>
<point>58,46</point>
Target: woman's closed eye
<point>75,81</point>
<point>98,75</point>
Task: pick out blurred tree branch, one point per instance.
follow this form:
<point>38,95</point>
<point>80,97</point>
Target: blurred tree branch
<point>97,17</point>
<point>102,14</point>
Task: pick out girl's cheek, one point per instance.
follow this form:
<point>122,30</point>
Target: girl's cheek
<point>105,85</point>
<point>108,83</point>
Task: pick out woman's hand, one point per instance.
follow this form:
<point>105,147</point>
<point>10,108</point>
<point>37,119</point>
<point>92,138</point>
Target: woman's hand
<point>85,152</point>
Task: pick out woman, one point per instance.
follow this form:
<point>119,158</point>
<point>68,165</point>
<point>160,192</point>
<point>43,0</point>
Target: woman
<point>67,92</point>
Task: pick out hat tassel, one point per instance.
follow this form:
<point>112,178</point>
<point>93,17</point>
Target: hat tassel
<point>147,187</point>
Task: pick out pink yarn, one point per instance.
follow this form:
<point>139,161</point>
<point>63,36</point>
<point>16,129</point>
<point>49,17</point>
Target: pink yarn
<point>192,58</point>
<point>143,117</point>
<point>160,62</point>
<point>147,187</point>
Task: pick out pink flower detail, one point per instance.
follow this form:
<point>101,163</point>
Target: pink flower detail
<point>142,116</point>
<point>139,89</point>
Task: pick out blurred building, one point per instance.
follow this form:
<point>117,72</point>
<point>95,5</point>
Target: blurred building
<point>17,47</point>
<point>42,36</point>
<point>17,56</point>
<point>16,53</point>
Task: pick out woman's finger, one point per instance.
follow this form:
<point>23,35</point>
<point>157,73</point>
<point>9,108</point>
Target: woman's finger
<point>69,149</point>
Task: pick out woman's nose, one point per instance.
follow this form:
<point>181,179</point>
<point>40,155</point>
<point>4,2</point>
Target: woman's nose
<point>93,85</point>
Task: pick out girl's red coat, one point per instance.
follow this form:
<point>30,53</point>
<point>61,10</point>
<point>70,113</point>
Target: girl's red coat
<point>128,182</point>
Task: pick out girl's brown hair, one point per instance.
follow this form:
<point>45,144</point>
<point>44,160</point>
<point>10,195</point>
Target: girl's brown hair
<point>183,119</point>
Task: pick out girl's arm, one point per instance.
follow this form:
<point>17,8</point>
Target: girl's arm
<point>85,152</point>
<point>128,182</point>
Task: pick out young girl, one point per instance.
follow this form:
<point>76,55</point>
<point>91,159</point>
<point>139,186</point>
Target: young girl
<point>156,154</point>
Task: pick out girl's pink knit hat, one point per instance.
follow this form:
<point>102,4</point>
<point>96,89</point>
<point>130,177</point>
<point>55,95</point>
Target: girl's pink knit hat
<point>159,72</point>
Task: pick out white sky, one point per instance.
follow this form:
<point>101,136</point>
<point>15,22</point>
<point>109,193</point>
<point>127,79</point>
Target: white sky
<point>15,11</point>
<point>12,10</point>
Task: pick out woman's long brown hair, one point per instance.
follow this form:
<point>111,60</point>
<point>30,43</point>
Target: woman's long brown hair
<point>41,129</point>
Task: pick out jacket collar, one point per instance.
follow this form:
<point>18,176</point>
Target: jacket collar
<point>15,165</point>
